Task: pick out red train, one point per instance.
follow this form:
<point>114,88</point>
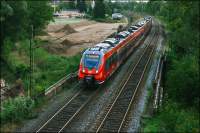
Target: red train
<point>101,61</point>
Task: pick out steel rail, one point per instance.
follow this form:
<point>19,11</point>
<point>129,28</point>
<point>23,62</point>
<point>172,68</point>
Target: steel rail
<point>80,98</point>
<point>122,88</point>
<point>79,110</point>
<point>57,113</point>
<point>65,106</point>
<point>49,120</point>
<point>64,128</point>
<point>131,102</point>
<point>132,64</point>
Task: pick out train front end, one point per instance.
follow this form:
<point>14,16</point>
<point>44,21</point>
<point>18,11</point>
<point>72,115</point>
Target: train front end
<point>91,67</point>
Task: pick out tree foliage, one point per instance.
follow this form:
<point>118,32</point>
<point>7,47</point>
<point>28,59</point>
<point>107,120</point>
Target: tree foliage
<point>182,19</point>
<point>182,74</point>
<point>17,16</point>
<point>39,14</point>
<point>66,5</point>
<point>14,22</point>
<point>183,81</point>
<point>99,9</point>
<point>174,119</point>
<point>81,5</point>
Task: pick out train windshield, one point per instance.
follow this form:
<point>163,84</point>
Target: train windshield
<point>92,61</point>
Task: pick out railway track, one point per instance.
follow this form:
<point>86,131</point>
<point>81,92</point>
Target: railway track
<point>70,110</point>
<point>65,114</point>
<point>69,126</point>
<point>117,112</point>
<point>60,121</point>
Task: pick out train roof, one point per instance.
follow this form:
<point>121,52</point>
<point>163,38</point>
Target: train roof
<point>147,17</point>
<point>110,43</point>
<point>122,33</point>
<point>134,26</point>
<point>99,48</point>
<point>127,32</point>
<point>103,45</point>
<point>112,40</point>
<point>141,23</point>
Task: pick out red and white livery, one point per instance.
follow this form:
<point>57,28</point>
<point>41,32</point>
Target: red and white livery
<point>101,61</point>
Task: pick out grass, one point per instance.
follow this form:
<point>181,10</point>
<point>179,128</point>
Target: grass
<point>47,69</point>
<point>58,21</point>
<point>51,68</point>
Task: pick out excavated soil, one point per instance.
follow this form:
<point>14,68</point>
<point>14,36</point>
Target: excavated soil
<point>67,29</point>
<point>70,39</point>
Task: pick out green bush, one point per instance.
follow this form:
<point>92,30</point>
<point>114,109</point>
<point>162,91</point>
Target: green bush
<point>187,121</point>
<point>22,70</point>
<point>40,55</point>
<point>17,109</point>
<point>52,69</point>
<point>24,47</point>
<point>173,118</point>
<point>182,80</point>
<point>6,48</point>
<point>38,90</point>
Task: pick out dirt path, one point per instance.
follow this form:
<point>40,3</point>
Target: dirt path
<point>73,38</point>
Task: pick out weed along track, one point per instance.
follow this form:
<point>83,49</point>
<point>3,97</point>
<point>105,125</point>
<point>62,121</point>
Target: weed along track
<point>116,115</point>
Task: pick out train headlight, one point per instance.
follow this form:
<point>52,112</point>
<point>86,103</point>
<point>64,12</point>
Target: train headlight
<point>97,71</point>
<point>83,70</point>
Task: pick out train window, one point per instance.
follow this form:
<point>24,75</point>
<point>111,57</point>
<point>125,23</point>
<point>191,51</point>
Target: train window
<point>91,61</point>
<point>134,27</point>
<point>112,59</point>
<point>115,57</point>
<point>131,30</point>
<point>120,36</point>
<point>108,64</point>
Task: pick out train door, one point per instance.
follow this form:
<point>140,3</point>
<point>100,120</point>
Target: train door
<point>107,67</point>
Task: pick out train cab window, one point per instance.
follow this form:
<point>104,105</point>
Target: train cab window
<point>92,61</point>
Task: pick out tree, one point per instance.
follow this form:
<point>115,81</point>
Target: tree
<point>183,81</point>
<point>40,13</point>
<point>71,4</point>
<point>99,9</point>
<point>81,5</point>
<point>13,19</point>
<point>67,5</point>
<point>18,16</point>
<point>182,72</point>
<point>108,8</point>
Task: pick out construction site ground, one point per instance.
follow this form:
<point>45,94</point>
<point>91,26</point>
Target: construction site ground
<point>68,39</point>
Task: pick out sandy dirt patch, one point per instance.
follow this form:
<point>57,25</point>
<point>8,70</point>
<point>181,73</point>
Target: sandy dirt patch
<point>70,39</point>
